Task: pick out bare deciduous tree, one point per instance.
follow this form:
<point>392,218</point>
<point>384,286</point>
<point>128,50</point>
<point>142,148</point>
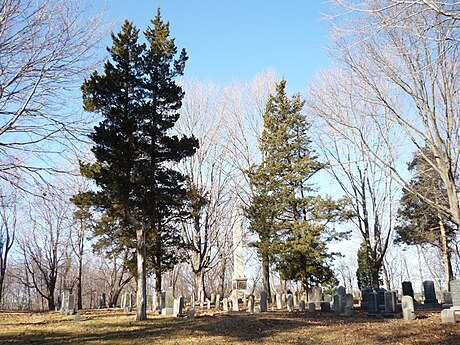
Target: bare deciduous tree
<point>405,58</point>
<point>46,47</point>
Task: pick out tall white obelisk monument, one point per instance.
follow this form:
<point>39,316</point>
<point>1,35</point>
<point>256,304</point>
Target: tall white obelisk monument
<point>239,281</point>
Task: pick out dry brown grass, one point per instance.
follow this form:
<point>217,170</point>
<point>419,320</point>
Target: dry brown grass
<point>116,327</point>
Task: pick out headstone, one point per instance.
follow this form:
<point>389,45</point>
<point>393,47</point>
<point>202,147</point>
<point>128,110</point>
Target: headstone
<point>149,302</point>
<point>202,296</point>
<point>302,306</point>
<point>316,294</point>
<point>283,299</point>
<point>290,302</point>
<point>429,292</point>
<point>191,313</point>
<point>311,307</point>
<point>338,307</point>
<point>279,302</point>
<point>169,302</point>
<point>217,302</point>
<point>245,301</point>
<point>448,316</point>
<point>365,297</point>
<point>407,289</point>
<point>263,301</point>
<point>373,309</point>
<point>251,304</point>
<point>455,292</point>
<point>225,304</point>
<point>77,316</point>
<point>349,300</point>
<point>295,302</point>
<point>208,302</point>
<point>348,311</point>
<point>235,306</point>
<point>447,300</point>
<point>67,304</point>
<point>407,304</point>
<point>213,298</point>
<point>390,302</point>
<point>175,312</point>
<point>325,307</point>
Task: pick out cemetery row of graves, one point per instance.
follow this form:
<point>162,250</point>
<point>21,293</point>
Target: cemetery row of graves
<point>377,304</point>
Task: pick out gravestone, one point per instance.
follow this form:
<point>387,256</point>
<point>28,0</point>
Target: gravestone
<point>407,289</point>
<point>325,306</point>
<point>191,313</point>
<point>201,296</point>
<point>149,302</point>
<point>447,300</point>
<point>328,298</point>
<point>263,301</point>
<point>349,300</point>
<point>279,302</point>
<point>407,304</point>
<point>225,304</point>
<point>77,316</point>
<point>390,303</point>
<point>154,300</point>
<point>338,306</point>
<point>251,304</point>
<point>448,316</point>
<point>311,307</point>
<point>365,297</point>
<point>316,294</point>
<point>302,306</point>
<point>373,309</point>
<point>295,300</point>
<point>208,302</point>
<point>430,300</point>
<point>169,302</point>
<point>235,306</point>
<point>455,292</point>
<point>290,302</point>
<point>217,302</point>
<point>213,298</point>
<point>67,304</point>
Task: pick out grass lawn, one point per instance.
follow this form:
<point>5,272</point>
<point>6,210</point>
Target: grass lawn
<point>116,327</point>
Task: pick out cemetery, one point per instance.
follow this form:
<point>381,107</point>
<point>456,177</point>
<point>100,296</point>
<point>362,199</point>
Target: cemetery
<point>277,181</point>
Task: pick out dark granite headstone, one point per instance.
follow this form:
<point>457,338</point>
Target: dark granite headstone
<point>325,306</point>
<point>373,309</point>
<point>429,292</point>
<point>407,289</point>
<point>365,297</point>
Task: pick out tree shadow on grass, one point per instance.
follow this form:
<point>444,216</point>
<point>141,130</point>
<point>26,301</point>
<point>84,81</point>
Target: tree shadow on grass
<point>266,328</point>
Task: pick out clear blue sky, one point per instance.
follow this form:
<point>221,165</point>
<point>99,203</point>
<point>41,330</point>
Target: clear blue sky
<point>234,40</point>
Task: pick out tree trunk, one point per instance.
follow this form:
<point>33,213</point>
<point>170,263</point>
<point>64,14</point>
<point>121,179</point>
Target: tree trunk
<point>79,281</point>
<point>448,274</point>
<point>266,274</point>
<point>222,277</point>
<point>158,280</point>
<point>141,310</point>
<point>199,283</point>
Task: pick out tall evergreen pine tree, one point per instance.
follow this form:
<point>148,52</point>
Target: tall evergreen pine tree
<point>289,219</point>
<point>139,100</point>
